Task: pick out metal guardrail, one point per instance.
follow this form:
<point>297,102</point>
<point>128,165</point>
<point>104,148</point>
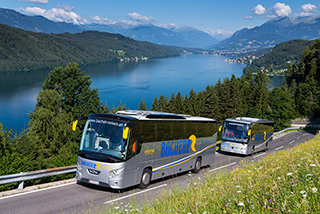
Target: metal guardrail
<point>282,132</point>
<point>23,176</point>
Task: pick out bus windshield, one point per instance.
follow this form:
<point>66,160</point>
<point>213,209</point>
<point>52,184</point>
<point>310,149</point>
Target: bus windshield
<point>235,131</point>
<point>104,138</point>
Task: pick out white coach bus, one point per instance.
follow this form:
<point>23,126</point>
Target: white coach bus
<point>135,147</point>
<point>245,135</point>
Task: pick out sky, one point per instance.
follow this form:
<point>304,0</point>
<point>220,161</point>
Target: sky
<point>212,16</point>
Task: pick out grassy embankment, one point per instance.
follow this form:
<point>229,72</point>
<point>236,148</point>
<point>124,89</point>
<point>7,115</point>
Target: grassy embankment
<point>286,181</point>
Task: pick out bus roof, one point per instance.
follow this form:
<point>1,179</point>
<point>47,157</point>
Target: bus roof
<point>249,120</point>
<point>155,115</point>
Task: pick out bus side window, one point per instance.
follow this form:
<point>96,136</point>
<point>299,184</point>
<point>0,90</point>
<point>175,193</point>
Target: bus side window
<point>134,148</point>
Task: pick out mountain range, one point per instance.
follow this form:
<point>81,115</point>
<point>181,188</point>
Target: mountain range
<point>266,35</point>
<point>182,37</point>
<point>271,33</point>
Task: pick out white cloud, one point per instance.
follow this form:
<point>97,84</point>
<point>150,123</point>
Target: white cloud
<point>37,1</point>
<point>280,9</point>
<point>66,14</point>
<point>170,26</point>
<point>259,10</point>
<point>219,32</point>
<point>308,10</point>
<point>101,20</point>
<point>33,10</point>
<point>248,17</point>
<point>140,19</point>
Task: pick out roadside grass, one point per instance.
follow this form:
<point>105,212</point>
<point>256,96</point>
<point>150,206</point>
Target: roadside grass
<point>286,181</point>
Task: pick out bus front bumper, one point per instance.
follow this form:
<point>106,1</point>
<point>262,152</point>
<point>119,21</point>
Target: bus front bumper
<point>232,147</point>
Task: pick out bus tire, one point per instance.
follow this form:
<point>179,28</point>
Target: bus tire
<point>145,178</point>
<point>197,165</point>
<point>266,148</point>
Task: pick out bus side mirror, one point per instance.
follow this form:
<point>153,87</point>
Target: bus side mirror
<point>249,132</point>
<point>75,122</point>
<point>74,125</point>
<point>220,128</point>
<point>125,133</point>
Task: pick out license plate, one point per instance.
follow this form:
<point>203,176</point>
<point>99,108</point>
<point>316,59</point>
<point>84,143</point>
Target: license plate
<point>94,182</point>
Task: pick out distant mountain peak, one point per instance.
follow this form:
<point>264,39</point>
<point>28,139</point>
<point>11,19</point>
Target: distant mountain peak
<point>272,32</point>
<point>186,28</point>
<point>34,23</point>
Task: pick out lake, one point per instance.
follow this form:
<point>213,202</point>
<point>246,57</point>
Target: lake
<point>125,82</point>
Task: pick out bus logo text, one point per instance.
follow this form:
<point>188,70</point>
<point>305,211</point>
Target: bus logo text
<point>149,151</point>
<point>91,165</point>
<point>176,147</point>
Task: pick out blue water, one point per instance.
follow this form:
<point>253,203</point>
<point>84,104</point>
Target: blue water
<point>128,83</point>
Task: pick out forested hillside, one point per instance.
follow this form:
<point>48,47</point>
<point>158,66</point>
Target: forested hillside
<point>280,56</point>
<point>304,81</point>
<point>24,50</point>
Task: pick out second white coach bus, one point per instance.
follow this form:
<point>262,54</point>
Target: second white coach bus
<point>135,147</point>
<point>245,135</point>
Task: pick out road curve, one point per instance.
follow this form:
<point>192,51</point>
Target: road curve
<point>73,198</point>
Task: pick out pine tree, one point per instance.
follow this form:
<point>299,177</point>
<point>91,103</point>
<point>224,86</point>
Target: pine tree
<point>261,90</point>
<point>235,98</point>
<point>142,105</point>
<point>224,97</point>
<point>155,104</point>
<point>281,109</point>
<point>193,106</point>
<point>211,104</point>
<point>179,103</point>
<point>247,94</point>
<point>121,107</point>
<point>163,103</point>
<point>171,104</point>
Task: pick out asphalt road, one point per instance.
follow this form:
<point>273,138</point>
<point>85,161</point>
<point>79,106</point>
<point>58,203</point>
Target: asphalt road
<point>75,198</point>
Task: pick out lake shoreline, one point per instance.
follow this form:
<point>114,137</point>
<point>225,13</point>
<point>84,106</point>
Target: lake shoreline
<point>124,82</point>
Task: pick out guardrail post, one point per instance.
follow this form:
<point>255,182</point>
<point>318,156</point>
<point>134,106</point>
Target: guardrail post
<point>20,187</point>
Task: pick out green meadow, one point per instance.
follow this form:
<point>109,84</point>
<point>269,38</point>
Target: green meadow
<point>286,181</point>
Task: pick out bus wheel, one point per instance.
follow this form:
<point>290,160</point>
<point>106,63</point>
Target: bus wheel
<point>145,178</point>
<point>197,166</point>
<point>266,148</point>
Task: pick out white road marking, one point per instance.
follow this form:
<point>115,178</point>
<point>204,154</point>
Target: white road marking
<point>137,193</point>
<point>259,155</point>
<point>291,142</point>
<point>279,148</point>
<point>221,167</point>
<point>298,138</point>
<point>38,190</point>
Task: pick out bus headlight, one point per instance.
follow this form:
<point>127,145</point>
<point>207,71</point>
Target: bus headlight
<point>115,173</point>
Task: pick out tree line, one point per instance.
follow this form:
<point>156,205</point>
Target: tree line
<point>66,94</point>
